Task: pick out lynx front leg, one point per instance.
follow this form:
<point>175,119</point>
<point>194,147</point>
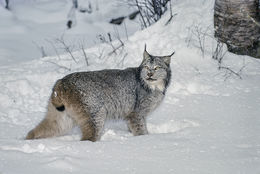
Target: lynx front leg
<point>137,124</point>
<point>55,123</point>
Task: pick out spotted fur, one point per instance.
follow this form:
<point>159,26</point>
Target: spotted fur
<point>88,99</point>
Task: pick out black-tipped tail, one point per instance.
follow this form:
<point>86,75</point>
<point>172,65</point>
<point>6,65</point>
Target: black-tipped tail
<point>61,108</point>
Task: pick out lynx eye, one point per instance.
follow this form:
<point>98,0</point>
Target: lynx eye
<point>156,68</point>
<point>146,67</point>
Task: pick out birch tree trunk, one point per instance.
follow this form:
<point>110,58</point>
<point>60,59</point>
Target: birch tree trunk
<point>236,24</point>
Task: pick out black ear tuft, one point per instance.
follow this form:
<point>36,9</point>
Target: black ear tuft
<point>167,59</point>
<point>146,55</point>
<point>172,54</point>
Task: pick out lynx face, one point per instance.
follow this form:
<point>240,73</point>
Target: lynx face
<point>155,70</point>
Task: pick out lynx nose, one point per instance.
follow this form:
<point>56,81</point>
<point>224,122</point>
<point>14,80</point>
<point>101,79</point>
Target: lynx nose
<point>149,74</point>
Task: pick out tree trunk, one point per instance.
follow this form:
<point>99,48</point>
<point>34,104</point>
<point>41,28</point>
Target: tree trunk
<point>236,24</point>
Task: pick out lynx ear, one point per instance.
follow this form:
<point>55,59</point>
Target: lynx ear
<point>167,59</point>
<point>146,55</point>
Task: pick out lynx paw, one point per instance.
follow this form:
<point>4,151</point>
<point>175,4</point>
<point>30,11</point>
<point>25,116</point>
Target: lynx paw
<point>30,135</point>
<point>140,132</point>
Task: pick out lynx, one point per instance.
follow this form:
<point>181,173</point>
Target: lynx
<point>88,99</point>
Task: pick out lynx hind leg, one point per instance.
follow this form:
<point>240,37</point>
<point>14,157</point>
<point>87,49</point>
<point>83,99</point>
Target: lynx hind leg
<point>137,124</point>
<point>87,127</point>
<point>55,123</point>
<point>91,126</point>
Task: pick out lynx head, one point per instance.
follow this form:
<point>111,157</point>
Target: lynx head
<point>155,71</point>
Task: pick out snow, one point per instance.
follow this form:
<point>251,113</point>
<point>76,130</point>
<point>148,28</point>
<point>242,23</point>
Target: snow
<point>35,26</point>
<point>208,122</point>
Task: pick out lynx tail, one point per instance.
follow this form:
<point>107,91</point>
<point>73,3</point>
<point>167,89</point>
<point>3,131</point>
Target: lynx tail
<point>56,95</point>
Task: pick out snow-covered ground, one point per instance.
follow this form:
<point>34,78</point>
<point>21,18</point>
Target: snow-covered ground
<point>208,123</point>
<point>30,29</point>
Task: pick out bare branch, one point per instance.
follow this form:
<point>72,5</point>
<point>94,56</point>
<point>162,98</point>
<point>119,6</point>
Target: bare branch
<point>60,66</point>
<point>41,48</point>
<point>200,35</point>
<point>121,62</point>
<point>219,55</point>
<point>81,46</point>
<point>66,47</point>
<point>142,17</point>
<point>54,48</point>
<point>116,48</point>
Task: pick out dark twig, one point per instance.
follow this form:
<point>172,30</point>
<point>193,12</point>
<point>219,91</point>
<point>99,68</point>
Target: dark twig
<point>117,48</point>
<point>121,62</point>
<point>66,47</point>
<point>81,46</point>
<point>60,66</point>
<point>171,15</point>
<point>7,4</point>
<point>41,48</point>
<point>54,48</point>
<point>219,55</point>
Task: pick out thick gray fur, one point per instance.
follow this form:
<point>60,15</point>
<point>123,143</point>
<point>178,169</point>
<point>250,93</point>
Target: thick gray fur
<point>87,99</point>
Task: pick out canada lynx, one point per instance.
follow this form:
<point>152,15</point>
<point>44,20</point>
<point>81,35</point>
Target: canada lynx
<point>87,99</point>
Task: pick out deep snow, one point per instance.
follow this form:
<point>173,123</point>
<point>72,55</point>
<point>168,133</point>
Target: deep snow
<point>207,124</point>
